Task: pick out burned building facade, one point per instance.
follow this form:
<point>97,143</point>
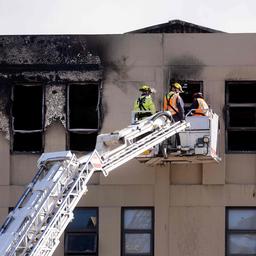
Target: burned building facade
<point>58,92</point>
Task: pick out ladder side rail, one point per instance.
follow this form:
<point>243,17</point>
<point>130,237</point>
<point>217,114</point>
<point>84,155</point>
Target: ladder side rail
<point>58,224</point>
<point>135,132</point>
<point>123,160</point>
<point>148,126</point>
<point>43,201</point>
<point>18,227</point>
<point>139,128</point>
<point>144,146</point>
<point>142,141</point>
<point>20,236</point>
<point>22,199</point>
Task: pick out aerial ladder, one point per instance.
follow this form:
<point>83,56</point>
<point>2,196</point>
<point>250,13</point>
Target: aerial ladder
<point>36,224</point>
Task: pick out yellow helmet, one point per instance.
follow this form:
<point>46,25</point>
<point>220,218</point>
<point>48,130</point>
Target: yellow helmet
<point>145,88</point>
<point>177,86</point>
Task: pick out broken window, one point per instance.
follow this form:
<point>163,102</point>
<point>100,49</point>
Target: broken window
<point>81,235</point>
<point>137,231</point>
<point>241,116</point>
<point>189,88</point>
<point>27,118</point>
<point>240,231</point>
<point>83,115</point>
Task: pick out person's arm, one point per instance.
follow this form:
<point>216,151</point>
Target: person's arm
<point>180,106</point>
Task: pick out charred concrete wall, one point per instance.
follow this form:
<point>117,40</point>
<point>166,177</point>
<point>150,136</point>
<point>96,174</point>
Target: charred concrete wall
<point>53,61</point>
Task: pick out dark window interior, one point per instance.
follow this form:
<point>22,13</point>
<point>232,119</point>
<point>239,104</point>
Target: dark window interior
<point>242,92</point>
<point>27,114</point>
<point>82,141</point>
<point>83,119</point>
<point>81,235</point>
<point>83,102</point>
<point>27,107</point>
<point>242,140</point>
<point>79,243</point>
<point>27,142</point>
<point>241,116</point>
<point>189,88</point>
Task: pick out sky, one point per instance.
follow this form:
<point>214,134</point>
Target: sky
<point>120,16</point>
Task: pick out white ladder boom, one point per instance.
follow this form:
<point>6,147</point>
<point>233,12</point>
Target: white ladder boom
<point>46,207</point>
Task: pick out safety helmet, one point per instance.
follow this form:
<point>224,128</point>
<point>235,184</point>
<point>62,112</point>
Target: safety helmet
<point>197,95</point>
<point>177,86</point>
<point>145,88</point>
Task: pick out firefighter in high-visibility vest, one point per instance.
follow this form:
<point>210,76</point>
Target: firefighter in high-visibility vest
<point>199,106</point>
<point>174,103</point>
<point>144,105</point>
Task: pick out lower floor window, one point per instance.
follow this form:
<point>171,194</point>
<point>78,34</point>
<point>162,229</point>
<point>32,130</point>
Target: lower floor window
<point>241,231</point>
<point>81,235</point>
<point>137,231</point>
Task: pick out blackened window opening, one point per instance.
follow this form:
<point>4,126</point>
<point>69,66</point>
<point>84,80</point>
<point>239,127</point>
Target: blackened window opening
<point>27,118</point>
<point>27,107</point>
<point>242,92</point>
<point>82,141</point>
<point>83,106</point>
<point>189,88</point>
<point>27,142</point>
<point>240,116</point>
<point>83,116</point>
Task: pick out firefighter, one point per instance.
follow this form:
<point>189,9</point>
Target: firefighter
<point>144,105</point>
<point>174,103</point>
<point>199,106</point>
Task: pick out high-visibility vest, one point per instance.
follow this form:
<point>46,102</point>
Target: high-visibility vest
<point>170,103</point>
<point>145,103</point>
<point>202,109</point>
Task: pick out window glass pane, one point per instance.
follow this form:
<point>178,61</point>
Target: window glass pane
<point>243,92</point>
<point>84,219</point>
<point>137,243</point>
<point>81,242</point>
<point>242,244</point>
<point>242,219</point>
<point>138,219</point>
<point>242,117</point>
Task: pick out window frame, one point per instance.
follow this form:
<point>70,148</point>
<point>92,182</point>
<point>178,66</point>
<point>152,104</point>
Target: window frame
<point>137,231</point>
<point>236,231</point>
<point>227,116</point>
<point>98,108</point>
<point>13,130</point>
<point>81,232</point>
